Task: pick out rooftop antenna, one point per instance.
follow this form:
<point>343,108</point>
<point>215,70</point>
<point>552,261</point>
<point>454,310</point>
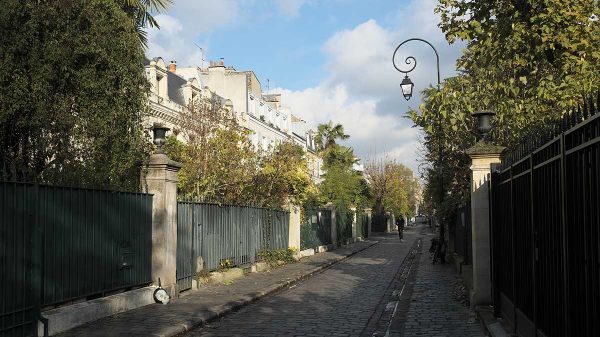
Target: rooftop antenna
<point>201,56</point>
<point>268,86</point>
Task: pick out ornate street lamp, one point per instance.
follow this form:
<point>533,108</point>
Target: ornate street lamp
<point>407,87</point>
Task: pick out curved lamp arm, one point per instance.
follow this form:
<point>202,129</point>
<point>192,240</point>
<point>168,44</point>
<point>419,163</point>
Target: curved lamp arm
<point>411,60</point>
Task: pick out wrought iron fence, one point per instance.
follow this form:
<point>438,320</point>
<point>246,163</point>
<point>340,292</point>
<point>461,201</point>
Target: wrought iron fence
<point>225,235</point>
<point>315,229</point>
<point>61,244</point>
<point>546,230</point>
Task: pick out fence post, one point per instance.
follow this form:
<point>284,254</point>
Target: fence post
<point>483,155</point>
<point>294,231</point>
<point>369,213</point>
<point>333,224</point>
<point>159,177</point>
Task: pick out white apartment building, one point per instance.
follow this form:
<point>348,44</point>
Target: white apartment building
<point>172,88</point>
<point>262,114</point>
<point>169,93</point>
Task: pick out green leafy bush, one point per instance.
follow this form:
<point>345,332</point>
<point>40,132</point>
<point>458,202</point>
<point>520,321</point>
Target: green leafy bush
<point>273,256</point>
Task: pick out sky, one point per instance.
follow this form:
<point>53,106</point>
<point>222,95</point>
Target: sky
<point>330,59</point>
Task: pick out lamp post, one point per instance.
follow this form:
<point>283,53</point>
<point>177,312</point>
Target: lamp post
<point>407,88</point>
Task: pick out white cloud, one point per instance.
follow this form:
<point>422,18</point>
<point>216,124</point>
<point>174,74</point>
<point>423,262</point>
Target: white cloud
<point>361,88</point>
<point>372,133</point>
<point>184,24</point>
<point>191,22</point>
<point>362,91</point>
<point>289,8</point>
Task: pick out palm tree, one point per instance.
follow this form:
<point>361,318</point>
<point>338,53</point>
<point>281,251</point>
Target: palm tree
<point>327,134</point>
<point>142,13</point>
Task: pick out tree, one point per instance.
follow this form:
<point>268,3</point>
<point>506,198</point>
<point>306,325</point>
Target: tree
<point>529,61</point>
<point>393,186</point>
<point>221,164</point>
<point>219,161</point>
<point>283,177</point>
<point>342,185</point>
<point>327,134</point>
<point>142,14</point>
<point>72,94</point>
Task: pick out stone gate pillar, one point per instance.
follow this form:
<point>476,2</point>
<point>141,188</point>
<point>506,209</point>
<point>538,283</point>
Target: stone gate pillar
<point>159,177</point>
<point>483,155</point>
<point>294,227</point>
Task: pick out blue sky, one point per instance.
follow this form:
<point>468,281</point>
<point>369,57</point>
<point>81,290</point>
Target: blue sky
<point>330,59</point>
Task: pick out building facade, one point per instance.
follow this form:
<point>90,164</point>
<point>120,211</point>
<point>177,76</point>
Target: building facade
<point>270,123</point>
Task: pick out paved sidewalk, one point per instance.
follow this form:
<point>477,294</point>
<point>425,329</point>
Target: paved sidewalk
<point>435,303</point>
<point>209,303</point>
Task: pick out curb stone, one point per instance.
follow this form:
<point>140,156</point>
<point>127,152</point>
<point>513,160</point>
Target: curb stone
<point>247,299</point>
<point>493,328</point>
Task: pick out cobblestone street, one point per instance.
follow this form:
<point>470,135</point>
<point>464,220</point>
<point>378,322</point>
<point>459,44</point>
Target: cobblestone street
<point>352,298</point>
<point>337,302</point>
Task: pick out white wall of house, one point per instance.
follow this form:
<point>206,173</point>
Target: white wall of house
<point>269,122</point>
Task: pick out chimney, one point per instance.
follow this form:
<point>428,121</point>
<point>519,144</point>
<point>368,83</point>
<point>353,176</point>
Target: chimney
<point>173,66</point>
<point>222,61</point>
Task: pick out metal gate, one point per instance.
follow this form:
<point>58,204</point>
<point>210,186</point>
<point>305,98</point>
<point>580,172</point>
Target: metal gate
<point>315,230</point>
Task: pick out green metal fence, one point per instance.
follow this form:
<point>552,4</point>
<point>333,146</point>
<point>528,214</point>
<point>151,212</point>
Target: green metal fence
<point>362,224</point>
<point>315,229</point>
<point>61,244</point>
<point>344,217</point>
<point>226,233</point>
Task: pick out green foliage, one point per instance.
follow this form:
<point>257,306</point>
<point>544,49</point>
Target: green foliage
<point>72,94</point>
<point>221,164</point>
<point>529,61</point>
<point>394,187</point>
<point>142,12</point>
<point>283,177</point>
<point>225,264</point>
<point>220,169</point>
<point>341,185</point>
<point>327,134</point>
<point>274,256</point>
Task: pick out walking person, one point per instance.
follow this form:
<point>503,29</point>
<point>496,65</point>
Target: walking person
<point>400,225</point>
